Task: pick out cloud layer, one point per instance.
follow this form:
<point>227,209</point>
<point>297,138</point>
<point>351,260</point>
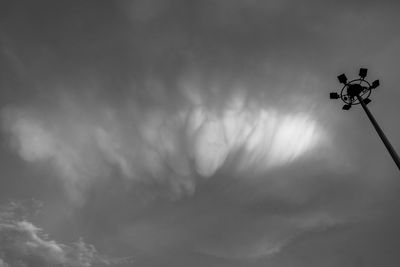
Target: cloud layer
<point>174,148</point>
<point>24,244</point>
<point>198,133</point>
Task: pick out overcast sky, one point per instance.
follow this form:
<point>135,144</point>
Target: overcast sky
<point>196,133</point>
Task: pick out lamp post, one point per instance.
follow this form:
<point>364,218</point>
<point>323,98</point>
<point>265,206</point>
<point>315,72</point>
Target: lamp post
<point>356,92</point>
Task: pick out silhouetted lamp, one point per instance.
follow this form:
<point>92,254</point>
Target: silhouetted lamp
<point>375,84</point>
<point>342,78</point>
<point>346,107</point>
<point>334,95</point>
<point>363,73</point>
<point>367,101</point>
<point>356,92</point>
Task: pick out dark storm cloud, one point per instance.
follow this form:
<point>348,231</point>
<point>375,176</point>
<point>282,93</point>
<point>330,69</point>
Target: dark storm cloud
<point>218,105</point>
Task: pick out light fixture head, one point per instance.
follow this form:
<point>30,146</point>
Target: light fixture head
<point>354,89</point>
<point>367,101</point>
<point>342,78</point>
<point>375,84</point>
<point>363,73</point>
<point>346,107</point>
<point>334,95</point>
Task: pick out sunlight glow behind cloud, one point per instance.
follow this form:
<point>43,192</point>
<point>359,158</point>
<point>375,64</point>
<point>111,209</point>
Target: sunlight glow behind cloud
<point>169,148</point>
<point>266,138</point>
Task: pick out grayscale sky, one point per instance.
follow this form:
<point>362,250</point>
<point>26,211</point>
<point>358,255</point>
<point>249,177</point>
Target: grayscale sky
<point>196,133</point>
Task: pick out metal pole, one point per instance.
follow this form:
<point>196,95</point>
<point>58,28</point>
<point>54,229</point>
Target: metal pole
<point>380,133</point>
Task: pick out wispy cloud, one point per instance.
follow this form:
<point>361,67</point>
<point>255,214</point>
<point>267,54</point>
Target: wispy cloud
<point>173,148</point>
<point>24,244</point>
<point>219,105</point>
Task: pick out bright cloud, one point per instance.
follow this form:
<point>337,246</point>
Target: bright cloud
<point>171,148</point>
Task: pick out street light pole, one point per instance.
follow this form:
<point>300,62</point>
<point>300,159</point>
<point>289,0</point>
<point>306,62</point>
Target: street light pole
<point>380,132</point>
<point>356,92</point>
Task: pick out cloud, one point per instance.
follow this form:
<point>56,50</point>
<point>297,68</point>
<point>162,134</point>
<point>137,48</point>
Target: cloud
<point>225,102</point>
<point>3,264</point>
<point>85,144</point>
<point>192,98</point>
<point>24,244</point>
<point>24,239</point>
<point>268,236</point>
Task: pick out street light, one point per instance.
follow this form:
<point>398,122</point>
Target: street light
<point>342,78</point>
<point>356,92</point>
<point>375,84</point>
<point>363,73</point>
<point>346,107</point>
<point>334,95</point>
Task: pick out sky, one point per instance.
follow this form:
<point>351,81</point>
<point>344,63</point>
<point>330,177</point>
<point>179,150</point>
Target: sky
<point>196,133</point>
